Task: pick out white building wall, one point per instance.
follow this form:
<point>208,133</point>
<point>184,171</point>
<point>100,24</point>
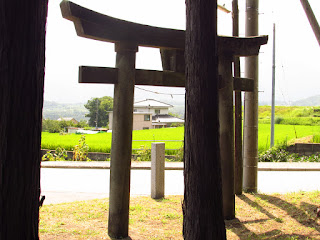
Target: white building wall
<point>152,110</point>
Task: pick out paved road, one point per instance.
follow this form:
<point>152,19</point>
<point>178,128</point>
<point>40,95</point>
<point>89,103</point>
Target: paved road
<point>66,185</point>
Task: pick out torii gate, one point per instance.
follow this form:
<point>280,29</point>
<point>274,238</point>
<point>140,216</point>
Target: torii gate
<point>127,36</point>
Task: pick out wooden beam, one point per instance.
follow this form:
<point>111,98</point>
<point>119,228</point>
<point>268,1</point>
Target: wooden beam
<point>98,75</point>
<point>243,84</point>
<point>90,24</point>
<point>93,25</point>
<point>107,75</point>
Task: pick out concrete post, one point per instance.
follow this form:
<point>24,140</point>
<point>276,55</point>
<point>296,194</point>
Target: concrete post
<point>250,135</point>
<point>157,170</point>
<point>227,135</point>
<point>121,148</point>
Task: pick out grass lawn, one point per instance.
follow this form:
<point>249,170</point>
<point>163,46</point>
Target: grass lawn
<point>284,134</point>
<point>259,216</point>
<point>101,142</point>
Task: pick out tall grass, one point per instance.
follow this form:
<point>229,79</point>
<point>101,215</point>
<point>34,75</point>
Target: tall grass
<point>316,138</point>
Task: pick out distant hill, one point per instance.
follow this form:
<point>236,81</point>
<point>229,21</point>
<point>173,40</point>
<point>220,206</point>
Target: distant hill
<point>54,110</point>
<point>310,101</point>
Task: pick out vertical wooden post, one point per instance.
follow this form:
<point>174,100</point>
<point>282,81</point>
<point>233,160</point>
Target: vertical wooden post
<point>312,19</point>
<point>227,135</point>
<point>238,174</point>
<point>157,170</point>
<point>121,149</point>
<point>250,138</point>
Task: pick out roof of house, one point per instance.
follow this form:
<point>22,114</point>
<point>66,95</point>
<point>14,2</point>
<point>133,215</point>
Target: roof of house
<point>66,119</point>
<point>166,118</point>
<point>151,103</point>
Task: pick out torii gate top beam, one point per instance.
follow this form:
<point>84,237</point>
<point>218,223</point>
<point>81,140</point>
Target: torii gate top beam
<point>93,25</point>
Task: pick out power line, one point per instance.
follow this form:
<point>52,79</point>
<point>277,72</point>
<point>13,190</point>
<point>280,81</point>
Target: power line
<point>161,93</point>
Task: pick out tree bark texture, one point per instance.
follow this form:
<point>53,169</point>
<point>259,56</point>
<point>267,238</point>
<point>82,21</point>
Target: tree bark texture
<point>22,60</point>
<point>202,208</point>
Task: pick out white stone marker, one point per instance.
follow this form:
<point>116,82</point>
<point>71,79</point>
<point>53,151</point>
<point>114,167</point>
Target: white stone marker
<point>157,170</point>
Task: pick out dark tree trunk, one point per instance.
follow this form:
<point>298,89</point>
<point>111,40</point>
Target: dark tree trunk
<point>203,214</point>
<point>22,49</point>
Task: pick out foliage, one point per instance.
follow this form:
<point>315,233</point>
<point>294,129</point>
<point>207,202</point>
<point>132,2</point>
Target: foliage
<point>82,124</point>
<point>279,154</point>
<point>55,126</point>
<point>316,138</point>
<point>278,120</point>
<point>51,126</point>
<point>98,110</point>
<point>291,115</point>
<point>179,155</point>
<point>144,154</point>
<point>80,152</point>
<point>177,125</point>
<point>276,154</point>
<point>60,154</point>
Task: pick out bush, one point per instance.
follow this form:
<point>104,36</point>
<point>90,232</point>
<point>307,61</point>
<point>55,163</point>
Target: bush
<point>51,126</point>
<point>144,154</point>
<point>55,126</point>
<point>60,154</point>
<point>278,120</point>
<point>279,154</point>
<point>80,152</point>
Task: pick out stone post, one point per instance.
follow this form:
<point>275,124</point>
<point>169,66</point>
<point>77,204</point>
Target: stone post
<point>157,170</point>
<point>121,148</point>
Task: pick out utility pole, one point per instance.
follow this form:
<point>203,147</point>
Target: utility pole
<point>97,113</point>
<point>312,19</point>
<point>238,177</point>
<point>273,86</point>
<point>250,139</point>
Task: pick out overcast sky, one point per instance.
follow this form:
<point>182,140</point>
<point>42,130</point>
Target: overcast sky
<point>297,50</point>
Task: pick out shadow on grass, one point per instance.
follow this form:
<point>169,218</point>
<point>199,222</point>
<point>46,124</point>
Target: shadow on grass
<point>301,215</point>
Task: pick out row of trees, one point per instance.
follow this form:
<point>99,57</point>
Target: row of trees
<point>55,126</point>
<point>98,116</point>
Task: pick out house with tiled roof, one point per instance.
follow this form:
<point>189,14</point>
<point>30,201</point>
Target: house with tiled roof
<point>149,114</point>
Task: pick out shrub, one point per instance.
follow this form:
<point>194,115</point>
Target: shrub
<point>316,139</point>
<point>279,154</point>
<point>144,154</point>
<point>51,126</point>
<point>60,154</point>
<point>278,120</point>
<point>179,155</point>
<point>80,152</point>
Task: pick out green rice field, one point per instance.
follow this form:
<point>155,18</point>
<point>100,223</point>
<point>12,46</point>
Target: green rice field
<point>101,142</point>
<point>173,137</point>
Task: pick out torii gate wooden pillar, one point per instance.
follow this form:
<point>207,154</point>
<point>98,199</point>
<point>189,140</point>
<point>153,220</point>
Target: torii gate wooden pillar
<point>127,37</point>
